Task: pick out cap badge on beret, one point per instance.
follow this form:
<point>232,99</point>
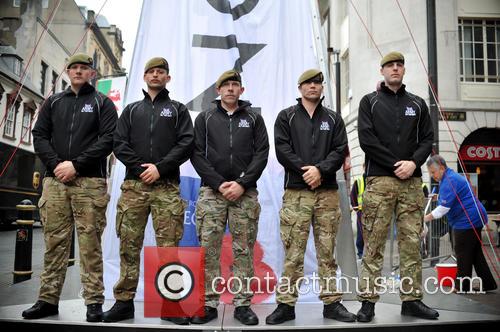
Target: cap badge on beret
<point>156,62</point>
<point>80,58</point>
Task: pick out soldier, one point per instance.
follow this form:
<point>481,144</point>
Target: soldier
<point>231,149</point>
<point>153,138</point>
<point>395,132</point>
<point>310,142</point>
<point>73,136</point>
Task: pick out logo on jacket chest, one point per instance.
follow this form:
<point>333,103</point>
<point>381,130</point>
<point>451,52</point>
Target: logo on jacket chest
<point>166,112</point>
<point>244,124</point>
<point>410,112</point>
<point>87,108</point>
<point>324,126</point>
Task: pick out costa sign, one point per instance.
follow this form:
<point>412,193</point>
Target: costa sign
<point>480,152</point>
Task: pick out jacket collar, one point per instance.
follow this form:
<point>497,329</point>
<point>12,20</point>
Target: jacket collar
<point>163,95</point>
<point>242,104</point>
<point>385,89</point>
<point>301,106</point>
<point>84,90</point>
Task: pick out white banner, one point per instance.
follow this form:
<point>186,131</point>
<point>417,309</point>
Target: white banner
<point>271,43</point>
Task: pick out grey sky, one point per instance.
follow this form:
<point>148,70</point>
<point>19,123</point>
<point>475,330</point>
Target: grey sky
<point>125,14</point>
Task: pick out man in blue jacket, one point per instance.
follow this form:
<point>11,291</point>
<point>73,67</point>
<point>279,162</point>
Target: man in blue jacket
<point>467,217</point>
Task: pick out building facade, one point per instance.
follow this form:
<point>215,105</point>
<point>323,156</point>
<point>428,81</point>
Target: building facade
<point>468,74</point>
<point>36,39</point>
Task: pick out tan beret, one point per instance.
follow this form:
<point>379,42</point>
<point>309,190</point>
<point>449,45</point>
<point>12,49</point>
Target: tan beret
<point>392,57</point>
<point>232,75</point>
<point>80,58</point>
<point>157,62</point>
<point>308,74</point>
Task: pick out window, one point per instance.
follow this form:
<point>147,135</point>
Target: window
<point>479,50</point>
<point>43,74</point>
<point>16,3</point>
<point>26,129</point>
<point>17,67</point>
<point>10,122</point>
<point>54,81</point>
<point>345,96</point>
<point>9,129</point>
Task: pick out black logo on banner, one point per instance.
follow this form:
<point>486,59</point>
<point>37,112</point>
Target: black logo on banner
<point>246,51</point>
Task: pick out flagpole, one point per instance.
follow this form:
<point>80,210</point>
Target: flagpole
<point>345,254</point>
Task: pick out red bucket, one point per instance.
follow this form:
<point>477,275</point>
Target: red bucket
<point>445,270</point>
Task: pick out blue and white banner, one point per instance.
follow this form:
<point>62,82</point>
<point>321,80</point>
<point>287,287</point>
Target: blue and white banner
<point>271,43</point>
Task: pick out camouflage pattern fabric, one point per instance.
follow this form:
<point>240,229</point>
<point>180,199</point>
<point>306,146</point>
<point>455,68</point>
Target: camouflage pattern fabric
<point>81,202</point>
<point>212,213</point>
<point>301,208</point>
<point>137,200</point>
<point>384,197</point>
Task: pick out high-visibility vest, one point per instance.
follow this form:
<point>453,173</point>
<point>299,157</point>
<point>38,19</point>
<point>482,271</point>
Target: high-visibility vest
<point>361,189</point>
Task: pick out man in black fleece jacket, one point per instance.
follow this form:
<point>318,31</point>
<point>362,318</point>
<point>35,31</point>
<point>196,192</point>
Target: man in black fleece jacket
<point>395,132</point>
<point>231,149</point>
<point>153,137</point>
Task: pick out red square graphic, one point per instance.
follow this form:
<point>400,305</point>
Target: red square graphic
<point>174,281</point>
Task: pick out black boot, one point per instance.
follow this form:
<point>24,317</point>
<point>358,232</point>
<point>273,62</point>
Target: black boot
<point>281,314</point>
<point>94,312</point>
<point>177,320</point>
<point>41,309</point>
<point>121,310</point>
<point>246,315</point>
<point>418,309</point>
<point>337,311</point>
<point>210,314</point>
<point>367,312</point>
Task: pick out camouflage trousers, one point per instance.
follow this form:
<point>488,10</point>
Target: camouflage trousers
<point>136,202</point>
<point>383,198</point>
<point>301,208</point>
<point>81,202</point>
<point>213,211</point>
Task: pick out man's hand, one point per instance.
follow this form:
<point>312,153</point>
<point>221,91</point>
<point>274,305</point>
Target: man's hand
<point>428,217</point>
<point>65,171</point>
<point>404,169</point>
<point>223,187</point>
<point>312,176</point>
<point>234,191</point>
<point>151,174</point>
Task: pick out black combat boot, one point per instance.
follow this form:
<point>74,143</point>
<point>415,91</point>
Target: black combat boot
<point>121,310</point>
<point>281,314</point>
<point>418,309</point>
<point>41,309</point>
<point>337,311</point>
<point>367,312</point>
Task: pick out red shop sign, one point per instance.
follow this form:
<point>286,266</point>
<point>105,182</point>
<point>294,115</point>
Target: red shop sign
<point>480,152</point>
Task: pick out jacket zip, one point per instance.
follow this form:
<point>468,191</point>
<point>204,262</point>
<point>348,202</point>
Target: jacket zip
<point>231,142</point>
<point>71,127</point>
<point>151,132</point>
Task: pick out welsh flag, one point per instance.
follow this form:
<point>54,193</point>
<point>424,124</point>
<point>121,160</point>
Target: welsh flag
<point>114,88</point>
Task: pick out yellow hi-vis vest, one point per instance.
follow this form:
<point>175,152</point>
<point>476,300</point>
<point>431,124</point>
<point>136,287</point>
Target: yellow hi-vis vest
<point>361,189</point>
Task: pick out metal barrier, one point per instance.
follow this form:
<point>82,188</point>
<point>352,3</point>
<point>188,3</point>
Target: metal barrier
<point>438,244</point>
